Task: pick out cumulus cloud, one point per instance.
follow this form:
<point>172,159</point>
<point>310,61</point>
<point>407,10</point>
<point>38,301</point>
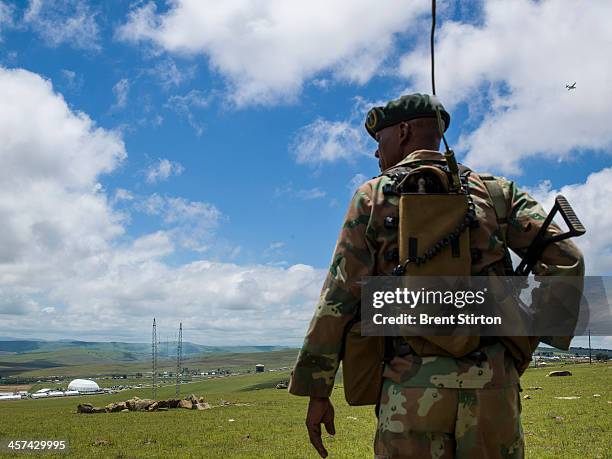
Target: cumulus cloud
<point>70,22</point>
<point>590,201</point>
<point>266,50</point>
<point>519,59</point>
<point>180,210</point>
<point>163,170</point>
<point>54,213</point>
<point>324,141</point>
<point>328,141</point>
<point>65,252</point>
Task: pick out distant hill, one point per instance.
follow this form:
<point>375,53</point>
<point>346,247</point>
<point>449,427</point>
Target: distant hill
<point>74,357</point>
<point>131,351</point>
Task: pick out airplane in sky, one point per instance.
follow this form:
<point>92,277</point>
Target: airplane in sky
<point>570,87</point>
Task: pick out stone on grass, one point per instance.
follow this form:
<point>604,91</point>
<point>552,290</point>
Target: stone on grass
<point>142,405</point>
<point>560,373</point>
<point>85,408</point>
<point>115,407</point>
<point>185,404</point>
<point>101,443</point>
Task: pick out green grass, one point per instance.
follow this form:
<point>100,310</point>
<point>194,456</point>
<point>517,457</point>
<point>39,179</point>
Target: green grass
<point>568,428</point>
<point>274,421</point>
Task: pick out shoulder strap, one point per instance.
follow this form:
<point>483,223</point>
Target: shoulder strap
<point>496,192</point>
<point>500,204</point>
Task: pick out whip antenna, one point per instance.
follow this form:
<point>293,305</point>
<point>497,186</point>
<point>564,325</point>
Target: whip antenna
<point>449,155</point>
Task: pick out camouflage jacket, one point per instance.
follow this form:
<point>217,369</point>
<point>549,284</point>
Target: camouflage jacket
<point>366,246</point>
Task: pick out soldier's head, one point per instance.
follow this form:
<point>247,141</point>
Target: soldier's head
<point>405,125</point>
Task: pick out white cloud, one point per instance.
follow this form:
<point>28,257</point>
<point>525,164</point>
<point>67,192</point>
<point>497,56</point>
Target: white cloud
<point>191,223</point>
<point>6,17</point>
<point>325,141</point>
<point>356,182</point>
<point>590,201</point>
<point>185,106</point>
<point>72,80</point>
<point>266,50</point>
<point>276,245</point>
<point>180,210</point>
<point>274,250</point>
<point>70,22</point>
<point>169,75</point>
<point>520,60</point>
<point>122,194</point>
<point>305,194</point>
<point>163,170</point>
<point>65,254</point>
<point>54,213</point>
<point>121,90</point>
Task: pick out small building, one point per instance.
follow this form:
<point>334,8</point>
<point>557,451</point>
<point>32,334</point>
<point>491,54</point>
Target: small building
<point>259,368</point>
<point>83,385</point>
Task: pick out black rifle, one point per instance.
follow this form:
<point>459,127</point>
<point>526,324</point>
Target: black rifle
<point>541,241</point>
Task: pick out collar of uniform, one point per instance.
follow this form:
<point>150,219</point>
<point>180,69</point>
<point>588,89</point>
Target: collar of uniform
<point>420,155</point>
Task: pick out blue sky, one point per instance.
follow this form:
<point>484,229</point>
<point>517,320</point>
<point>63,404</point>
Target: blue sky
<point>222,143</point>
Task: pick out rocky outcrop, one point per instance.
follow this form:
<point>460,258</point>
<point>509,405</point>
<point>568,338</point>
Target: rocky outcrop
<point>144,404</point>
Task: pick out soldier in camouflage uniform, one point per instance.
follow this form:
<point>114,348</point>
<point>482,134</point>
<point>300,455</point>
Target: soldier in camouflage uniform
<point>431,405</point>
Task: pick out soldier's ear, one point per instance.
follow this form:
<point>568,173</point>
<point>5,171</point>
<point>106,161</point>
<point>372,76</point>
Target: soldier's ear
<point>405,132</point>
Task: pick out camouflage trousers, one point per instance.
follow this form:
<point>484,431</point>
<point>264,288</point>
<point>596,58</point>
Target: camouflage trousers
<point>445,423</point>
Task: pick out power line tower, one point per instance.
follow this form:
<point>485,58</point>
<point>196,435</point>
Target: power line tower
<point>154,359</point>
<point>590,347</point>
<point>179,358</point>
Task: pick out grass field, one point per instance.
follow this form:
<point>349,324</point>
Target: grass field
<point>272,425</point>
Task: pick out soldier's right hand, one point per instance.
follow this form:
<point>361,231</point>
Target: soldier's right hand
<point>320,410</point>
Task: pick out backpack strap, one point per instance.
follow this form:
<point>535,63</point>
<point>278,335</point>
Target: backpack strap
<point>397,173</point>
<point>500,205</point>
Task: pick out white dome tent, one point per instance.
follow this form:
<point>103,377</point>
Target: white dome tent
<point>83,385</point>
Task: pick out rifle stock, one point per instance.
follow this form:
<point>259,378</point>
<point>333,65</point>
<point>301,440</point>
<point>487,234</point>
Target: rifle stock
<point>540,242</point>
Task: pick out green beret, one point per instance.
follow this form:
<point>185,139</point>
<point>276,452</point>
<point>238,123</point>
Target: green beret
<point>405,108</point>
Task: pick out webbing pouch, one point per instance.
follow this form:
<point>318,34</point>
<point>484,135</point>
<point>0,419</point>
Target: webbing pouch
<point>427,221</point>
<point>362,367</point>
<point>434,240</point>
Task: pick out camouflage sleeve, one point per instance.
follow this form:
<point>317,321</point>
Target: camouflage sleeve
<point>563,258</point>
<point>319,358</point>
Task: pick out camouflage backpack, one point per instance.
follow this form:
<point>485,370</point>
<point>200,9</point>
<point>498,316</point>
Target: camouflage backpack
<point>436,213</point>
